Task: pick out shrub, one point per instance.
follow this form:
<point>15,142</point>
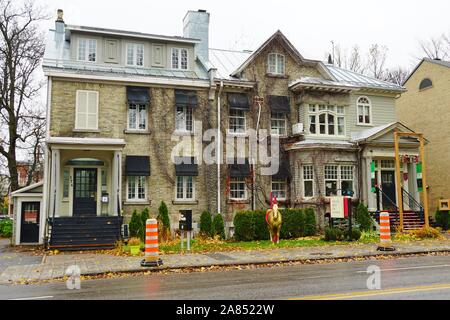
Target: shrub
<point>218,226</point>
<point>363,217</point>
<point>427,233</point>
<point>310,222</point>
<point>163,216</point>
<point>135,225</point>
<point>244,229</point>
<point>134,241</point>
<point>145,214</point>
<point>333,234</point>
<point>442,219</point>
<point>356,234</point>
<point>6,227</point>
<point>206,224</point>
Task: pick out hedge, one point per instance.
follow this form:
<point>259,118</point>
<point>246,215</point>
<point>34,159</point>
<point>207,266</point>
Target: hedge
<point>206,224</point>
<point>251,225</point>
<point>6,226</point>
<point>442,219</point>
<point>218,226</point>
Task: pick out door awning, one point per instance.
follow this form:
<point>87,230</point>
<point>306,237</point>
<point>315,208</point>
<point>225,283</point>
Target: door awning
<point>279,104</point>
<point>137,165</point>
<point>185,166</point>
<point>283,170</point>
<point>138,95</point>
<point>238,101</point>
<point>186,98</point>
<point>239,169</point>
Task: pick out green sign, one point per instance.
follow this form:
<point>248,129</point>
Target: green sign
<point>419,177</point>
<point>372,176</point>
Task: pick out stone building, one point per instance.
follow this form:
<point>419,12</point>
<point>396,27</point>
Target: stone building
<point>136,118</point>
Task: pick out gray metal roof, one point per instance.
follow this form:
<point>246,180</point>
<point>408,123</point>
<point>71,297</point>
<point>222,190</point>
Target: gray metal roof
<point>439,62</point>
<point>227,61</point>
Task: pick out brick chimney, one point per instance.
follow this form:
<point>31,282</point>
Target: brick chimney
<point>196,25</point>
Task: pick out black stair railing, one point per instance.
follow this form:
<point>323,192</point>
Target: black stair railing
<point>413,204</point>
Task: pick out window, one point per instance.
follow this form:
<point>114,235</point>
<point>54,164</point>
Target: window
<point>238,190</point>
<point>279,189</point>
<point>185,188</point>
<point>237,121</point>
<point>135,54</point>
<point>338,178</point>
<point>136,189</point>
<point>275,64</point>
<point>179,58</point>
<point>308,181</point>
<point>66,183</point>
<point>364,111</point>
<point>425,83</point>
<point>184,119</point>
<point>86,116</point>
<point>326,120</point>
<point>87,50</point>
<point>278,123</point>
<point>137,116</point>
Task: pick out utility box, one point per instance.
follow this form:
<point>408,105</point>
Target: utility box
<point>444,204</point>
<point>185,222</point>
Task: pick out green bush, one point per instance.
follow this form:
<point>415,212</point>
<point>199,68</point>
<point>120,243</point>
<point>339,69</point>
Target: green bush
<point>206,224</point>
<point>356,234</point>
<point>333,234</point>
<point>218,226</point>
<point>163,217</point>
<point>442,219</point>
<point>363,217</point>
<point>136,226</point>
<point>145,214</point>
<point>251,225</point>
<point>6,227</point>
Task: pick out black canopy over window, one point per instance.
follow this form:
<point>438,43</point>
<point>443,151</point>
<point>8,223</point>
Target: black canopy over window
<point>185,166</point>
<point>137,166</point>
<point>186,98</point>
<point>138,95</point>
<point>238,169</point>
<point>279,104</point>
<point>238,101</point>
<point>283,170</point>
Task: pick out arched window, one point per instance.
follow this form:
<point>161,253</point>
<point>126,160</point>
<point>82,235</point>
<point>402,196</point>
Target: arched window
<point>326,120</point>
<point>425,83</point>
<point>364,110</point>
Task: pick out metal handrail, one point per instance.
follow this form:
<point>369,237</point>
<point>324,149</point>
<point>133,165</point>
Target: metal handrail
<point>412,200</point>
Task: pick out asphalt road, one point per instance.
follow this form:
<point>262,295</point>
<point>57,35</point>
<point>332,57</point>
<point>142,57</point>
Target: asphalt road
<point>425,277</point>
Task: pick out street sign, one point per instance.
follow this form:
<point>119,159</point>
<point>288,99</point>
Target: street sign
<point>337,207</point>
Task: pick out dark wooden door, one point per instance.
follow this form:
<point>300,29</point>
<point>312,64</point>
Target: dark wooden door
<point>388,187</point>
<point>85,192</point>
<point>29,227</point>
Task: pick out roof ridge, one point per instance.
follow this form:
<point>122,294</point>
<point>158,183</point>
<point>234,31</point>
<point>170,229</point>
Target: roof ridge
<point>230,50</point>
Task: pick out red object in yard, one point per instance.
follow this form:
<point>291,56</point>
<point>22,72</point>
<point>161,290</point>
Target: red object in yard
<point>345,207</point>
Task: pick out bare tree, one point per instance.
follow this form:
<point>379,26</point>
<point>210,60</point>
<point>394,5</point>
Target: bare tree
<point>436,47</point>
<point>397,75</point>
<point>21,51</point>
<point>376,60</point>
<point>355,62</point>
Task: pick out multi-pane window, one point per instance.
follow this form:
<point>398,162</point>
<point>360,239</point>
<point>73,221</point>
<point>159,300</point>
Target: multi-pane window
<point>185,188</point>
<point>87,50</point>
<point>364,112</point>
<point>279,188</point>
<point>136,189</point>
<point>308,181</point>
<point>275,64</point>
<point>238,190</point>
<point>137,116</point>
<point>237,121</point>
<point>278,123</point>
<point>179,58</point>
<point>326,120</point>
<point>86,117</point>
<point>184,119</point>
<point>135,54</point>
<point>66,182</point>
<point>338,178</point>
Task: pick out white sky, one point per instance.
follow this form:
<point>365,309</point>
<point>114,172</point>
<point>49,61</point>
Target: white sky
<point>244,24</point>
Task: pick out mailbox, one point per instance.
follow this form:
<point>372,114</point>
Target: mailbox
<point>185,222</point>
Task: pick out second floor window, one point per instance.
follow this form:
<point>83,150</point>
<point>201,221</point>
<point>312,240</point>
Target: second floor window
<point>135,54</point>
<point>183,119</point>
<point>87,50</point>
<point>236,121</point>
<point>179,58</point>
<point>86,110</point>
<point>185,188</point>
<point>275,64</point>
<point>364,111</point>
<point>278,123</point>
<point>326,120</point>
<point>137,116</point>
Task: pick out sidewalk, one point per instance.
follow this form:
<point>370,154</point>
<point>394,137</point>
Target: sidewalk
<point>53,267</point>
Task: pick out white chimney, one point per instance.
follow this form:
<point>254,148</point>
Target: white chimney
<point>59,23</point>
<point>196,25</point>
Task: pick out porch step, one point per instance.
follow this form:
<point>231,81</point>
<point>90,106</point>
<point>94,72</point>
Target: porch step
<point>84,232</point>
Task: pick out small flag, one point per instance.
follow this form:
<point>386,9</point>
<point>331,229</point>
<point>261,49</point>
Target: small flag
<point>419,177</point>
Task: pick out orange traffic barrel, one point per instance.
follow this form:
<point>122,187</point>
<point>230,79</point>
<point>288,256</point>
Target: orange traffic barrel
<point>385,233</point>
<point>152,258</point>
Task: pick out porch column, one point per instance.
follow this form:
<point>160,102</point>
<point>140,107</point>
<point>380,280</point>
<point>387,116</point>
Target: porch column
<point>54,183</point>
<point>116,190</point>
<point>45,195</point>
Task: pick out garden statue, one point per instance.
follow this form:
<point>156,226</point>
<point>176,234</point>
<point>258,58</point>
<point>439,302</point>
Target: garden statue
<point>273,219</point>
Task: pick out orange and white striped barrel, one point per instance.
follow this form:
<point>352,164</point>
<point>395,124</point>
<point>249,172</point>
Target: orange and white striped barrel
<point>385,228</point>
<point>151,240</point>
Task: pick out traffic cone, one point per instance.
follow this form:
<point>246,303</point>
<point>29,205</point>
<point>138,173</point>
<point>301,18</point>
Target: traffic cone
<point>385,233</point>
<point>152,258</point>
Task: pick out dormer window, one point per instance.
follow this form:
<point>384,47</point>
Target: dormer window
<point>425,84</point>
<point>87,50</point>
<point>179,58</point>
<point>364,111</point>
<point>135,54</point>
<point>275,64</point>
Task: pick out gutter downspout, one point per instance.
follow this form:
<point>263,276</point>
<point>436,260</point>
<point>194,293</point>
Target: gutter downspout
<point>218,146</point>
<point>257,141</point>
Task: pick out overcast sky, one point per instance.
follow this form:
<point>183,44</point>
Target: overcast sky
<point>245,24</point>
